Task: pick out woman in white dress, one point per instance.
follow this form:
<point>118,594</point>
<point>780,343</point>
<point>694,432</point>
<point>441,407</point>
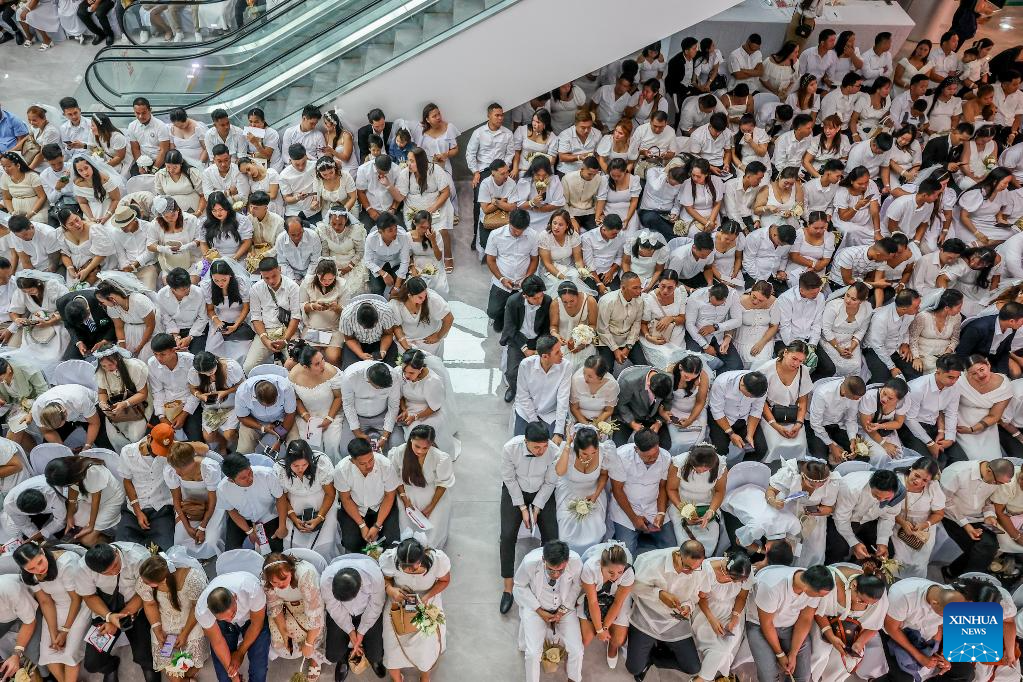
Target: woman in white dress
<point>255,178</point>
<point>750,144</point>
<point>334,186</point>
<point>308,481</point>
<point>882,412</point>
<point>804,99</point>
<point>616,146</point>
<point>594,392</point>
<point>94,497</point>
<point>42,16</point>
<point>427,474</point>
<point>912,65</point>
<point>187,135</point>
<point>662,330</point>
<point>980,216</point>
<point>226,291</point>
<point>565,101</point>
<point>973,166</point>
<point>860,595</point>
<point>174,237</point>
<point>214,381</point>
<point>809,489</point>
<point>294,610</point>
<point>225,231</point>
<point>780,70</point>
<point>869,111</point>
<point>700,198</point>
<point>755,339</point>
<point>318,396</point>
<point>984,268</point>
<point>344,239</point>
<point>570,309</point>
<point>193,477</point>
<point>414,572</point>
<point>697,478</point>
<point>726,257</point>
<point>170,585</point>
<point>425,186</point>
<point>108,143</point>
<point>723,593</point>
<point>605,604</point>
<point>776,202</point>
<point>920,514</point>
<point>844,323</point>
<point>946,109</point>
<point>813,248</point>
<point>181,181</point>
<point>426,398</point>
<point>788,397</point>
<point>539,193</point>
<point>33,308</point>
<point>424,317</point>
<point>831,144</point>
<point>706,65</point>
<point>847,57</point>
<point>123,395</point>
<point>936,332</point>
<point>687,423</point>
<point>439,139</point>
<point>21,188</point>
<point>582,475</point>
<point>984,396</point>
<point>97,193</point>
<point>646,255</point>
<point>906,156</point>
<point>425,253</point>
<point>339,142</point>
<point>76,250</point>
<point>857,208</point>
<point>322,298</point>
<point>52,576</point>
<point>132,312</point>
<point>536,138</point>
<point>738,102</point>
<point>560,249</point>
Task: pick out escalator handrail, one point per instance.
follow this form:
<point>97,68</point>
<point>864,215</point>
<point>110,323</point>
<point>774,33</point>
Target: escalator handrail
<point>330,27</point>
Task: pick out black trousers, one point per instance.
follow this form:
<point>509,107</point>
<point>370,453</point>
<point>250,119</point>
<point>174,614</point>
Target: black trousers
<point>880,374</point>
<point>495,306</point>
<point>586,222</point>
<point>192,427</point>
<point>977,554</point>
<point>511,519</point>
<point>614,285</point>
<point>338,640</point>
<point>161,527</point>
<point>484,174</point>
<point>678,655</point>
<point>825,366</point>
<point>780,285</point>
<point>376,283</point>
<point>652,220</point>
<point>636,357</point>
<point>514,359</point>
<point>235,536</point>
<point>838,549</point>
<point>731,358</point>
<point>348,357</point>
<point>953,453</point>
<point>959,672</point>
<point>1012,447</point>
<point>351,537</point>
<point>197,343</point>
<point>138,635</point>
<point>97,22</point>
<point>720,439</point>
<point>624,433</point>
<point>818,448</point>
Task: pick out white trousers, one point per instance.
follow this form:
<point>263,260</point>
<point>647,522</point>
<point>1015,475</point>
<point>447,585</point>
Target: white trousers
<point>533,631</point>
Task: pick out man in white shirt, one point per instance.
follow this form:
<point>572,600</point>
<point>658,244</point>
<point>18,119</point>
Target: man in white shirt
<point>968,486</point>
<point>833,416</point>
<point>820,192</point>
<point>36,244</point>
<point>74,132</point>
<point>387,255</point>
<point>375,187</point>
<point>741,194</point>
<point>512,255</point>
<point>690,256</point>
<point>639,474</point>
<point>711,315</point>
<point>766,255</point>
<point>864,515</point>
<point>64,408</point>
<point>526,318</point>
<point>34,510</point>
<point>791,145</point>
<point>697,112</point>
<point>222,132</point>
<point>367,486</point>
<point>1008,104</point>
<point>148,517</point>
<point>487,144</point>
<point>232,613</point>
<point>56,177</point>
<point>265,405</point>
<point>262,141</point>
<point>169,389</point>
<point>147,136</point>
<point>931,420</point>
<point>886,346</point>
<point>18,610</point>
<point>528,478</point>
<point>577,142</point>
<point>254,499</point>
<point>496,194</point>
<point>943,60</point>
<point>779,614</point>
<point>542,389</point>
<point>352,589</point>
<point>853,263</point>
<point>911,213</point>
<point>800,312</point>
<point>297,248</point>
<point>878,60</point>
<point>874,154</point>
<point>713,143</point>
<point>306,133</point>
<point>602,254</point>
<point>274,311</point>
<point>611,103</point>
<point>903,104</point>
<point>182,311</point>
<point>654,139</point>
<point>222,175</point>
<point>940,269</point>
<point>842,100</point>
<point>817,61</point>
<point>659,206</point>
<point>736,405</point>
<point>547,587</point>
<point>746,64</point>
<point>298,182</point>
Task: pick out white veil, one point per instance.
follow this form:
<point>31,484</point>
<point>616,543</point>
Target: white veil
<point>100,165</point>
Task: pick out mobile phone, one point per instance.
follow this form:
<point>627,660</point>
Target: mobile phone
<point>992,529</point>
<point>210,399</point>
<point>812,509</point>
<point>168,645</point>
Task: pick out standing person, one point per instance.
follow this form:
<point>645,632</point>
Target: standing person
<point>232,613</point>
<point>487,144</point>
<point>353,591</point>
<point>547,585</point>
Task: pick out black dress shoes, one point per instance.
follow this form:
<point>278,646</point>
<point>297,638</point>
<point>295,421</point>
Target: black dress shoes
<point>506,602</point>
<point>378,669</point>
<point>110,676</point>
<point>341,671</point>
<point>509,395</point>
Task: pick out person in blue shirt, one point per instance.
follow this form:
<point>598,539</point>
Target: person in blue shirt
<point>12,131</point>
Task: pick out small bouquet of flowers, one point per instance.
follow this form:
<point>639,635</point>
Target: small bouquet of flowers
<point>181,663</point>
<point>583,335</point>
<point>207,261</point>
<point>540,185</point>
<point>687,511</point>
<point>990,162</point>
<point>858,449</point>
<point>583,273</point>
<point>606,428</point>
<point>681,227</point>
<point>429,270</point>
<point>373,550</point>
<point>553,654</point>
<point>797,210</point>
<point>238,204</point>
<point>581,508</point>
<point>428,618</point>
<point>1019,223</point>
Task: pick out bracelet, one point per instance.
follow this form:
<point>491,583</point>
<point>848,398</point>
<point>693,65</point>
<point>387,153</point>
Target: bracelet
<point>780,655</point>
<point>362,525</point>
<point>729,432</point>
<point>134,503</point>
<point>61,628</point>
<point>156,625</point>
<point>202,528</point>
<point>19,650</point>
<point>658,514</point>
<point>329,418</point>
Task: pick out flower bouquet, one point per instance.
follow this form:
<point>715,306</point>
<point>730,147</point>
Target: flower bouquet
<point>207,261</point>
<point>990,162</point>
<point>583,273</point>
<point>1019,223</point>
<point>687,512</point>
<point>373,550</point>
<point>541,186</point>
<point>181,663</point>
<point>553,654</point>
<point>858,449</point>
<point>797,210</point>
<point>238,204</point>
<point>583,335</point>
<point>428,270</point>
<point>607,428</point>
<point>681,227</point>
<point>428,618</point>
<point>581,508</point>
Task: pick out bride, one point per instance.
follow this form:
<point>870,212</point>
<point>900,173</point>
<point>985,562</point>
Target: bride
<point>582,475</point>
<point>33,309</point>
<point>985,394</point>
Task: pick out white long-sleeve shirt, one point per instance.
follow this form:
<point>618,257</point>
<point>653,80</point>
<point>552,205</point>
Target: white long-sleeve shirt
<point>888,330</point>
<point>760,257</point>
<point>367,604</point>
<point>700,312</point>
<point>659,194</point>
<point>188,313</point>
<point>927,401</point>
<point>168,385</point>
<point>739,200</point>
<point>361,398</point>
<point>857,505</point>
<point>799,317</point>
<point>486,145</point>
<point>533,589</point>
<point>522,472</point>
<point>396,253</point>
<point>544,394</point>
<point>297,260</point>
<point>967,494</point>
<point>829,408</point>
<point>728,401</point>
<point>55,506</point>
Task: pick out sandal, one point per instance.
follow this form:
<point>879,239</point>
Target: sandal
<point>449,265</point>
<point>454,221</point>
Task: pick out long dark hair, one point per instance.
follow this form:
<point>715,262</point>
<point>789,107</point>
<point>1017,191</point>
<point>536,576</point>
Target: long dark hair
<point>737,139</point>
<point>17,160</point>
<point>29,551</point>
<point>155,569</point>
<point>234,294</point>
<point>704,166</point>
<point>947,81</point>
<point>989,184</point>
<point>835,145</point>
<point>701,455</point>
<point>104,127</point>
<point>297,450</point>
<point>411,469</point>
<point>213,228</point>
<point>174,156</point>
<point>121,369</point>
<point>841,41</point>
<point>418,155</point>
<point>988,257</point>
<point>691,364</point>
<point>704,54</point>
<point>69,471</point>
<point>339,130</point>
<point>412,287</point>
<point>98,191</point>
<point>204,361</point>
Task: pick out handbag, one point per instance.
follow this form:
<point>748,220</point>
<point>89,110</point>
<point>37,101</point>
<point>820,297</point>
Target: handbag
<point>914,540</point>
<point>788,414</point>
<point>495,219</point>
<point>134,413</point>
<point>357,664</point>
<point>401,619</point>
<point>283,314</point>
<point>804,28</point>
<point>605,598</point>
<point>172,409</point>
<point>846,629</point>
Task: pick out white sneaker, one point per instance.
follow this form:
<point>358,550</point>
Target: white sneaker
<point>197,38</point>
<point>80,39</point>
<point>612,661</point>
<point>143,36</point>
<point>179,37</point>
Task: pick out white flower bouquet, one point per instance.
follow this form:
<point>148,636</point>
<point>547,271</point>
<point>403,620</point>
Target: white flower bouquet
<point>238,204</point>
<point>687,510</point>
<point>1019,223</point>
<point>373,550</point>
<point>797,210</point>
<point>429,270</point>
<point>553,655</point>
<point>541,186</point>
<point>583,335</point>
<point>428,618</point>
<point>990,162</point>
<point>181,663</point>
<point>583,273</point>
<point>681,227</point>
<point>606,428</point>
<point>858,449</point>
<point>581,508</point>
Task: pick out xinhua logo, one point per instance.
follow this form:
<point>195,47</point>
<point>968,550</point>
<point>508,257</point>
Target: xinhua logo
<point>972,632</point>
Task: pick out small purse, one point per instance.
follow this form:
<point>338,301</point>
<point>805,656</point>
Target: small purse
<point>357,664</point>
<point>913,540</point>
<point>401,619</point>
<point>495,219</point>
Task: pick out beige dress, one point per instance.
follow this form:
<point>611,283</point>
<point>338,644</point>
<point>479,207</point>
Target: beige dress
<point>303,610</point>
<point>184,191</point>
<point>347,248</point>
<point>174,620</point>
<point>928,342</point>
<point>322,320</point>
<point>23,194</point>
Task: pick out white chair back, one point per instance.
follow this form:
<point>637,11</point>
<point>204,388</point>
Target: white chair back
<point>44,453</point>
<point>849,467</point>
<point>140,183</point>
<point>260,460</point>
<point>745,473</point>
<point>1017,597</point>
<point>904,462</point>
<point>19,452</point>
<point>240,560</point>
<point>312,556</point>
<point>268,369</point>
<point>75,372</point>
<point>1017,461</point>
<point>111,459</point>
